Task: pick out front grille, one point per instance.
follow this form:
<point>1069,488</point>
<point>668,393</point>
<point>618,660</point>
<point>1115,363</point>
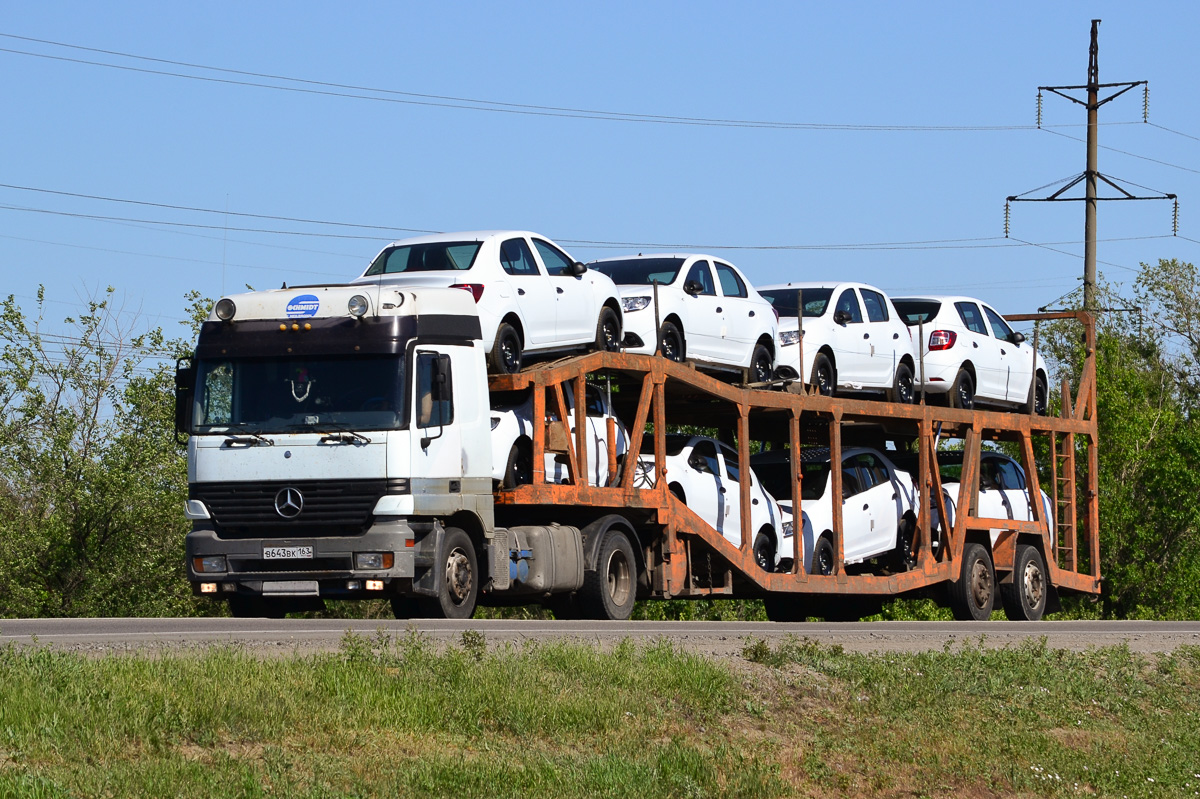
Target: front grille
<point>306,565</point>
<point>330,507</point>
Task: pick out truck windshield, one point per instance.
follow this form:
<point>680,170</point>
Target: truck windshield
<point>442,256</point>
<point>293,394</point>
<point>640,271</point>
<point>787,301</point>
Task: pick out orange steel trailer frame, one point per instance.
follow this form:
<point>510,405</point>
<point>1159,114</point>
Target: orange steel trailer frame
<point>656,393</point>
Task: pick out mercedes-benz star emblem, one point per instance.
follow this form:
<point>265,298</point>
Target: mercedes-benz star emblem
<point>289,502</point>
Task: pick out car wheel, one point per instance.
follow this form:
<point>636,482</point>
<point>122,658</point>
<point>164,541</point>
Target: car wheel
<point>670,342</point>
<point>760,364</point>
<point>608,331</point>
<point>505,358</point>
<point>609,590</point>
<point>822,557</point>
<point>677,490</point>
<point>823,377</point>
<point>1038,397</point>
<point>764,552</point>
<point>962,393</point>
<point>974,593</point>
<point>519,469</point>
<point>902,386</point>
<point>460,579</point>
<point>1025,598</point>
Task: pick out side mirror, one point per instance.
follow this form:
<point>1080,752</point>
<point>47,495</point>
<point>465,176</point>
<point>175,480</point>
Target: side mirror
<point>840,317</point>
<point>185,383</point>
<point>693,287</point>
<point>577,268</point>
<point>1017,337</point>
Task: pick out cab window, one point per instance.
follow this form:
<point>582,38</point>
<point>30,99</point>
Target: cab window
<point>848,304</point>
<point>731,284</point>
<point>517,259</point>
<point>435,405</point>
<point>701,274</point>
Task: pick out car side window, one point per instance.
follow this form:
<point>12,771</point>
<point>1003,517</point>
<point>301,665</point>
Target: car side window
<point>969,313</point>
<point>876,305</point>
<point>731,284</point>
<point>701,274</point>
<point>999,326</point>
<point>874,468</point>
<point>556,261</point>
<point>848,303</point>
<point>850,482</point>
<point>731,464</point>
<point>1007,475</point>
<point>594,399</point>
<point>704,458</point>
<point>517,259</point>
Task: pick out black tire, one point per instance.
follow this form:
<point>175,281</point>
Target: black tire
<point>1038,397</point>
<point>671,342</point>
<point>460,579</point>
<point>519,469</point>
<point>677,490</point>
<point>608,331</point>
<point>785,607</point>
<point>255,607</point>
<point>764,551</point>
<point>406,607</point>
<point>823,556</point>
<point>505,357</point>
<point>1024,599</point>
<point>760,364</point>
<point>610,589</point>
<point>973,594</point>
<point>903,388</point>
<point>824,378</point>
<point>962,393</point>
<point>903,558</point>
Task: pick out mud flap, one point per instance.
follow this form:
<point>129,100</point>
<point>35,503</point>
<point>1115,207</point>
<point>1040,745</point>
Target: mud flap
<point>427,579</point>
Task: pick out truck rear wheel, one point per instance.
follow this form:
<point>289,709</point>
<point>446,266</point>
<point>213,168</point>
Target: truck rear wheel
<point>1025,598</point>
<point>610,589</point>
<point>974,593</point>
<point>460,579</point>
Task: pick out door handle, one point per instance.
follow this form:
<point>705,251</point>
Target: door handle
<point>865,507</point>
<point>974,344</point>
<point>719,309</point>
<point>893,496</point>
<point>895,335</point>
<point>866,335</point>
<point>754,502</point>
<point>752,313</point>
<point>521,292</point>
<point>1004,352</point>
<point>558,289</point>
<point>722,489</point>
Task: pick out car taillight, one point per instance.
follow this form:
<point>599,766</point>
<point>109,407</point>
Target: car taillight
<point>942,339</point>
<point>476,289</point>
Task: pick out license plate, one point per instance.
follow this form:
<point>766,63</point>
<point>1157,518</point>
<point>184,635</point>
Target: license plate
<point>284,553</point>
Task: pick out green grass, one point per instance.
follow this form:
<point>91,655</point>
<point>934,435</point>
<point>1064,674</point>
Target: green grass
<point>398,717</point>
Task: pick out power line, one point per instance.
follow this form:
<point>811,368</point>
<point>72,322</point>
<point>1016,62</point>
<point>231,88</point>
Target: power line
<point>1126,152</point>
<point>1176,132</point>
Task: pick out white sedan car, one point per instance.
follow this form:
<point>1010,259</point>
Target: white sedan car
<point>972,355</point>
<point>853,338</point>
<point>705,475</point>
<point>707,311</point>
<point>1003,493</point>
<point>512,440</point>
<point>879,505</point>
<point>531,296</point>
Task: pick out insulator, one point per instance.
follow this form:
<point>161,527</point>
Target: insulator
<point>1007,216</point>
<point>1039,111</point>
<point>1146,102</point>
<point>1175,220</point>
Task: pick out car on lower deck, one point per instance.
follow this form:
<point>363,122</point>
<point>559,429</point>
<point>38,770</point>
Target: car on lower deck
<point>531,296</point>
<point>707,312</point>
<point>706,476</point>
<point>852,338</point>
<point>971,355</point>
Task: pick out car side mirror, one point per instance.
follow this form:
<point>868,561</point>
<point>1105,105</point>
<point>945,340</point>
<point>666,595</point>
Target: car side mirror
<point>1017,337</point>
<point>693,287</point>
<point>578,268</point>
<point>840,317</point>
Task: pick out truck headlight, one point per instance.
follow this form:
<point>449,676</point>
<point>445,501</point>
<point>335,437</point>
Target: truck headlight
<point>357,306</point>
<point>373,561</point>
<point>213,564</point>
<point>787,337</point>
<point>634,303</point>
<point>225,309</point>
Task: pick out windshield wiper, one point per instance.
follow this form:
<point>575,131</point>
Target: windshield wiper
<point>336,433</point>
<point>248,437</point>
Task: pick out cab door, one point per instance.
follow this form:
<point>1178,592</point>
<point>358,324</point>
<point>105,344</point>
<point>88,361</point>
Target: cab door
<point>437,448</point>
<point>534,294</point>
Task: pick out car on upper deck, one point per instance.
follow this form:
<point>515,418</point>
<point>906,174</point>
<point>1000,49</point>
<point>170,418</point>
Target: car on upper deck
<point>531,295</point>
<point>973,356</point>
<point>852,338</point>
<point>707,311</point>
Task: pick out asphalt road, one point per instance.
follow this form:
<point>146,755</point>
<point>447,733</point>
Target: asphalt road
<point>711,638</point>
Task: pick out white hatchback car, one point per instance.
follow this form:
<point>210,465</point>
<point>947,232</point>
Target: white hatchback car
<point>512,440</point>
<point>878,500</point>
<point>854,340</point>
<point>705,475</point>
<point>707,311</point>
<point>972,355</point>
<point>531,296</point>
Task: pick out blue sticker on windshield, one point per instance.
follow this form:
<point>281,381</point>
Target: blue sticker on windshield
<point>304,305</point>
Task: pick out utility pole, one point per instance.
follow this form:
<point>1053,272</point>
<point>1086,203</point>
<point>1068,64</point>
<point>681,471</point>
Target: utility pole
<point>1091,175</point>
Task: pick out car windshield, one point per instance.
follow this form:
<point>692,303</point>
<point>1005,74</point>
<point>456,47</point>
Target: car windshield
<point>787,301</point>
<point>292,394</point>
<point>776,479</point>
<point>915,312</point>
<point>640,271</point>
<point>441,256</point>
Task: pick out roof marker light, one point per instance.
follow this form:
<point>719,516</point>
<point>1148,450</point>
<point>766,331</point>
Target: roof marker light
<point>225,309</point>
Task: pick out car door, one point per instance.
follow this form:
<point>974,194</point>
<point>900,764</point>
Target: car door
<point>739,329</point>
<point>882,340</point>
<point>703,319</point>
<point>983,350</point>
<point>880,497</point>
<point>1016,361</point>
<point>731,491</point>
<point>850,341</point>
<point>534,293</point>
<point>575,308</point>
<point>705,488</point>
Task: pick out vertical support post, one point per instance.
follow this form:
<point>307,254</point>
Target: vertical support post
<point>660,433</point>
<point>539,432</point>
<point>797,491</point>
<point>611,430</point>
<point>564,418</point>
<point>835,494</point>
<point>638,431</point>
<point>581,432</point>
<point>743,449</point>
<point>925,495</point>
<point>1089,220</point>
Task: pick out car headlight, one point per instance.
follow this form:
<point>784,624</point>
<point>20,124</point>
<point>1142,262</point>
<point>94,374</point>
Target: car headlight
<point>787,337</point>
<point>634,303</point>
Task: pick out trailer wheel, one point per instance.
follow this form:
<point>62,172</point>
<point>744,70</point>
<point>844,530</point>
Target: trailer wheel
<point>608,331</point>
<point>764,551</point>
<point>823,377</point>
<point>902,386</point>
<point>460,583</point>
<point>1025,598</point>
<point>962,393</point>
<point>255,607</point>
<point>822,557</point>
<point>505,358</point>
<point>609,590</point>
<point>973,594</point>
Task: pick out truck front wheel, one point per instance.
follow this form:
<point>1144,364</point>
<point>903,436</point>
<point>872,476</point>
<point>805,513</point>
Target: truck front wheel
<point>460,579</point>
<point>609,590</point>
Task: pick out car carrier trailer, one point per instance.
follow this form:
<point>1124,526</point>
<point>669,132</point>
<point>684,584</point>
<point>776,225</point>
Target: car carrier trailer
<point>405,511</point>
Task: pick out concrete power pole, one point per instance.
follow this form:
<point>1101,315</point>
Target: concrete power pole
<point>1091,176</point>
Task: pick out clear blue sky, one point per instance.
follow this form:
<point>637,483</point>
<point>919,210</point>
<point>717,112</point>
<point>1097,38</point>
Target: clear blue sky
<point>401,161</point>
